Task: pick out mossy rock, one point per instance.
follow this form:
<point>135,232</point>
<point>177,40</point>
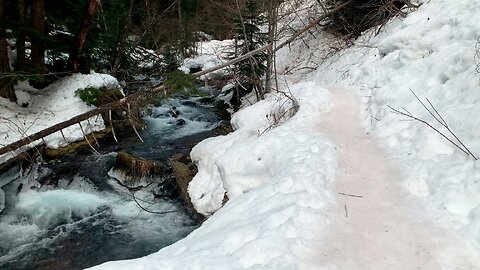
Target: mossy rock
<point>99,96</point>
<point>134,171</point>
<point>74,147</point>
<point>224,128</point>
<point>183,176</point>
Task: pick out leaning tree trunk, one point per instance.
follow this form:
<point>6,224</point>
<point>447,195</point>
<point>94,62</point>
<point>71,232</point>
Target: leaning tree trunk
<point>6,82</point>
<point>38,47</point>
<point>74,58</point>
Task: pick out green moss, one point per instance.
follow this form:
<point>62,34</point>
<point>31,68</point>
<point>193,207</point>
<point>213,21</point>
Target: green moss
<point>90,95</point>
<point>98,96</point>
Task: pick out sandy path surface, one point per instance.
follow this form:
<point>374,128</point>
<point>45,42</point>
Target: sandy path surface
<point>381,228</point>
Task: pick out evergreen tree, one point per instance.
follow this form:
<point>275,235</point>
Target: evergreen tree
<point>249,37</point>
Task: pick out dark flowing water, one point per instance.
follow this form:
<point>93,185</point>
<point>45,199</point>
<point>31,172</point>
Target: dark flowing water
<point>80,216</point>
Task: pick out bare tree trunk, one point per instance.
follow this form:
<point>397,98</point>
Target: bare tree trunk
<point>38,46</point>
<point>272,16</point>
<point>6,83</point>
<point>21,59</point>
<point>74,58</point>
<point>300,32</point>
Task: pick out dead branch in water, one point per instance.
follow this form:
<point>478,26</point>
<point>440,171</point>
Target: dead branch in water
<point>150,211</point>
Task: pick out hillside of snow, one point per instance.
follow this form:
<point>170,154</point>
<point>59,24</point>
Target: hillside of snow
<point>345,183</point>
<point>47,107</point>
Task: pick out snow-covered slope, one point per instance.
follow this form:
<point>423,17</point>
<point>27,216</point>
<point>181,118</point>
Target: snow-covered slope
<point>417,200</point>
<point>50,106</point>
<point>431,52</point>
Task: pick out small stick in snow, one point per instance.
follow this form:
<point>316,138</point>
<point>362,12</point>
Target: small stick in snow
<point>86,139</point>
<point>375,118</point>
<point>111,124</point>
<point>63,136</point>
<point>350,195</point>
<point>438,117</point>
<point>131,122</point>
<point>346,211</point>
<point>93,134</point>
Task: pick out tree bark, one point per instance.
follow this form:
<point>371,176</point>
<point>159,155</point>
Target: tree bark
<point>272,28</point>
<point>6,82</point>
<point>21,59</point>
<point>74,58</point>
<point>38,47</point>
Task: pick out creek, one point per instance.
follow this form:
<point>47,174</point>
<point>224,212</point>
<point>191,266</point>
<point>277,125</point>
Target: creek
<point>70,214</point>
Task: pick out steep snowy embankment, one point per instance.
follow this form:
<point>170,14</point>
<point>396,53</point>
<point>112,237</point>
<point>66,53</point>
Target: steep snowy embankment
<point>48,107</point>
<point>420,206</point>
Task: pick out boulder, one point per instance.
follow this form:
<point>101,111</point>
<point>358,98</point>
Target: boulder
<point>134,171</point>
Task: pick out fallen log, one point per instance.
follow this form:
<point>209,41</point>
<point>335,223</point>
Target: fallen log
<point>117,104</point>
<point>270,45</point>
<point>81,117</point>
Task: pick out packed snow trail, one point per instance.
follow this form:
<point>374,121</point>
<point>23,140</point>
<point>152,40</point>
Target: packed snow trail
<point>375,226</point>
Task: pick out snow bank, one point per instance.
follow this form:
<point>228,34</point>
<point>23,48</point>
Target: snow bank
<point>249,157</point>
<point>276,182</point>
<point>211,53</point>
<point>48,107</point>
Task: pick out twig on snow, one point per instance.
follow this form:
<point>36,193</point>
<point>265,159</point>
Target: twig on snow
<point>350,195</point>
<point>438,117</point>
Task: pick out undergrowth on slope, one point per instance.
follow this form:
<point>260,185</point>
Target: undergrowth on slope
<point>361,15</point>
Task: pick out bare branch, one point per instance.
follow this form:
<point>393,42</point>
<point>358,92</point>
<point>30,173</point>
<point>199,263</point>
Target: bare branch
<point>148,210</point>
<point>432,127</point>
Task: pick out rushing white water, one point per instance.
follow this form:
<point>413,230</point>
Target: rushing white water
<point>184,117</point>
<point>44,224</point>
<point>82,216</point>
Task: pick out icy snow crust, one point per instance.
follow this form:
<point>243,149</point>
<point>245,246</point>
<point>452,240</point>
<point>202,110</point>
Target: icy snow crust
<point>48,107</point>
<point>284,211</point>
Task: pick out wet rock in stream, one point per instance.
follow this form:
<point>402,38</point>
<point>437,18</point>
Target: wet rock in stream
<point>134,171</point>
